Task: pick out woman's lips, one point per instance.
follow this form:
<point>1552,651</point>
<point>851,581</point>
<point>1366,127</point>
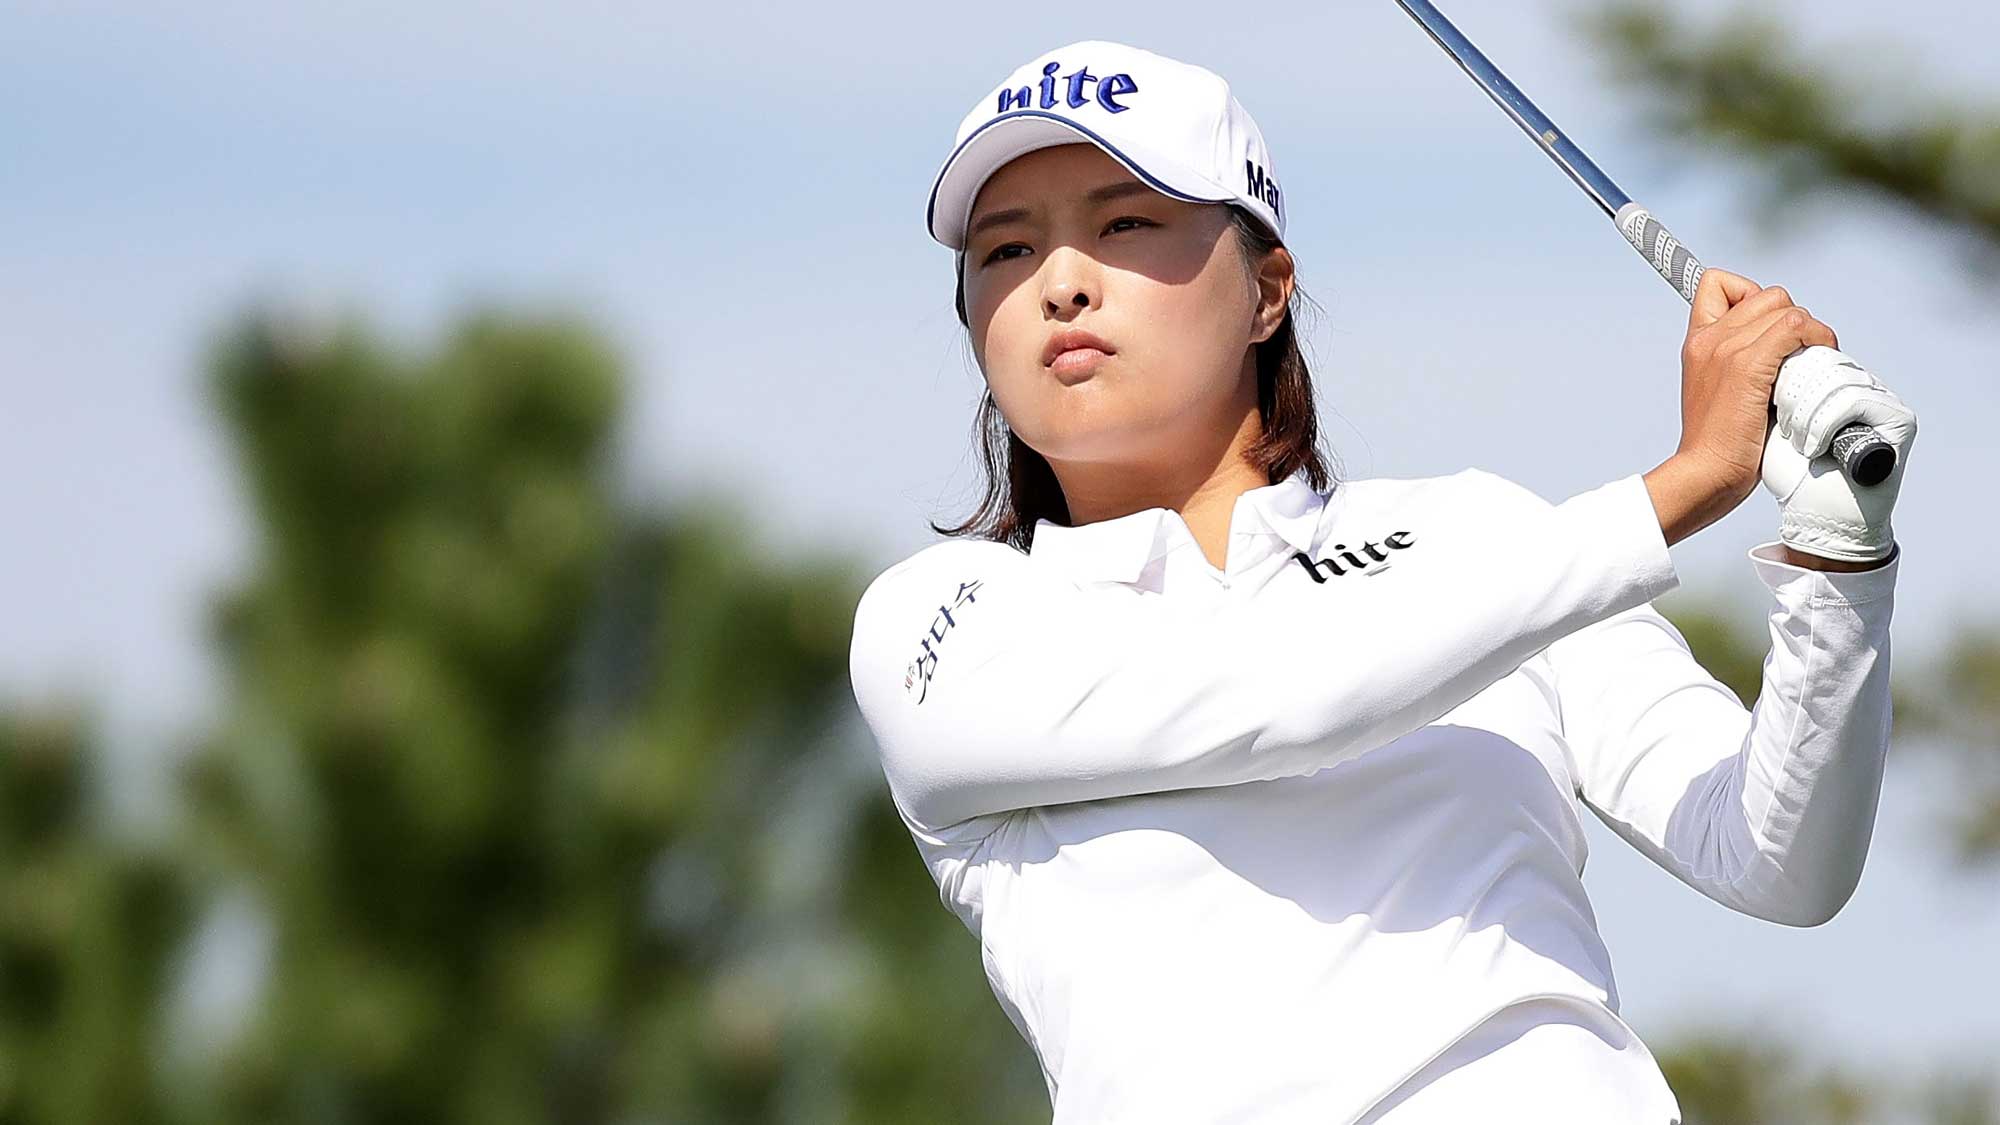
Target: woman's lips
<point>1077,361</point>
<point>1073,339</point>
<point>1074,353</point>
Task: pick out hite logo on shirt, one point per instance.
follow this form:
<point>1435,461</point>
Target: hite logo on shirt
<point>1378,559</point>
<point>925,665</point>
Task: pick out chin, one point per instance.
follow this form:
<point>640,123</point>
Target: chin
<point>1077,443</point>
<point>1097,418</point>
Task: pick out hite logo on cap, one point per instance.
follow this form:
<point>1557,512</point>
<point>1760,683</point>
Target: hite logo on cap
<point>1192,141</point>
<point>1109,89</point>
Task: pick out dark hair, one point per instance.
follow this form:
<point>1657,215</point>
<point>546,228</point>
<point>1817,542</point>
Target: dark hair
<point>1021,487</point>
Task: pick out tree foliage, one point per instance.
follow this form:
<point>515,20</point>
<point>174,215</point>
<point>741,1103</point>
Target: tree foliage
<point>1960,708</point>
<point>1728,1075</point>
<point>90,924</point>
<point>553,805</point>
<point>1747,89</point>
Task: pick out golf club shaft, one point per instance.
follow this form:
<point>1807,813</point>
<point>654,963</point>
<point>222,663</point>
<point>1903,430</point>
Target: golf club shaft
<point>1862,453</point>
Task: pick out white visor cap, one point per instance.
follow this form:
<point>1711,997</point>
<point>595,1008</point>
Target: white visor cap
<point>1175,126</point>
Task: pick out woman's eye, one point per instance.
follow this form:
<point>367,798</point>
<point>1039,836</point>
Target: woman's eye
<point>998,254</point>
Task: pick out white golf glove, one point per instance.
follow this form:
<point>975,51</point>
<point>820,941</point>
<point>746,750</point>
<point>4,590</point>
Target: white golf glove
<point>1820,391</point>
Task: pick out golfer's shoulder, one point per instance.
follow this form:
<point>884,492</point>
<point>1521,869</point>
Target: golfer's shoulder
<point>1470,489</point>
<point>945,573</point>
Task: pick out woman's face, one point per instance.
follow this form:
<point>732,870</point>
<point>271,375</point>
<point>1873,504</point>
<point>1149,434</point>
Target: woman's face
<point>1159,279</point>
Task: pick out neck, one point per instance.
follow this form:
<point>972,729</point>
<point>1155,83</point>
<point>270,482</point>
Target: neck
<point>1201,484</point>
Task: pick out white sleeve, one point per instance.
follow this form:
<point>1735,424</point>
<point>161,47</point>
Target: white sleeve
<point>990,685</point>
<point>1766,810</point>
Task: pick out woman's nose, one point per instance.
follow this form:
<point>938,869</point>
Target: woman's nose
<point>1079,298</point>
<point>1068,282</point>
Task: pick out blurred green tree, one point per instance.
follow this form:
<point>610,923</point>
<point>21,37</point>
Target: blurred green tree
<point>1746,88</point>
<point>554,805</point>
<point>1959,709</point>
<point>1724,1075</point>
<point>90,925</point>
<point>1721,640</point>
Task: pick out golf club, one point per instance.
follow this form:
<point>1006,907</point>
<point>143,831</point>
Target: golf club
<point>1863,455</point>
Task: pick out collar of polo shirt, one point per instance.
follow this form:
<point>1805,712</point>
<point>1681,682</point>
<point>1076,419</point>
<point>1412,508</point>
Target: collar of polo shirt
<point>1117,550</point>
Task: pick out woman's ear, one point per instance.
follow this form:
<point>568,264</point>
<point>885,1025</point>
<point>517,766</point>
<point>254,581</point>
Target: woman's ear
<point>1276,275</point>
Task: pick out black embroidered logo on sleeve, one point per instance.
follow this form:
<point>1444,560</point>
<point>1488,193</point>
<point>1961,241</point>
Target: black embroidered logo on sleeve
<point>925,665</point>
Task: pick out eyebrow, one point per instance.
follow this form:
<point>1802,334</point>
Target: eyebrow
<point>1118,190</point>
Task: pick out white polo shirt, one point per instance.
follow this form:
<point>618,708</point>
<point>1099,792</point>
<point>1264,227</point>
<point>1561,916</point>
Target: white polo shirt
<point>1300,840</point>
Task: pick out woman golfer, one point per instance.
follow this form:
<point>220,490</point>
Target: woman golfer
<point>1262,791</point>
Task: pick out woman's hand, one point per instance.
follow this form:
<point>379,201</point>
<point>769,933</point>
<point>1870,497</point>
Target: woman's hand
<point>1739,335</point>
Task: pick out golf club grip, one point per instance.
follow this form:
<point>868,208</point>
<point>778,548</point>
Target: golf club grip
<point>1862,453</point>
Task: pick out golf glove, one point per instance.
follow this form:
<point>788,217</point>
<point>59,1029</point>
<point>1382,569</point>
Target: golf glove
<point>1819,391</point>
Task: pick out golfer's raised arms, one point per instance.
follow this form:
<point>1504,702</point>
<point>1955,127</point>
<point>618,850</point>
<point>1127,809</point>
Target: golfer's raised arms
<point>1764,809</point>
<point>991,685</point>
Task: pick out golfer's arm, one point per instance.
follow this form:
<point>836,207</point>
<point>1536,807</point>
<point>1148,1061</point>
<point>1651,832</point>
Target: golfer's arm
<point>1768,810</point>
<point>1039,692</point>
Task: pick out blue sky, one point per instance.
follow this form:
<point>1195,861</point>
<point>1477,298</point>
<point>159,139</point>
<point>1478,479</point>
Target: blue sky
<point>736,192</point>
